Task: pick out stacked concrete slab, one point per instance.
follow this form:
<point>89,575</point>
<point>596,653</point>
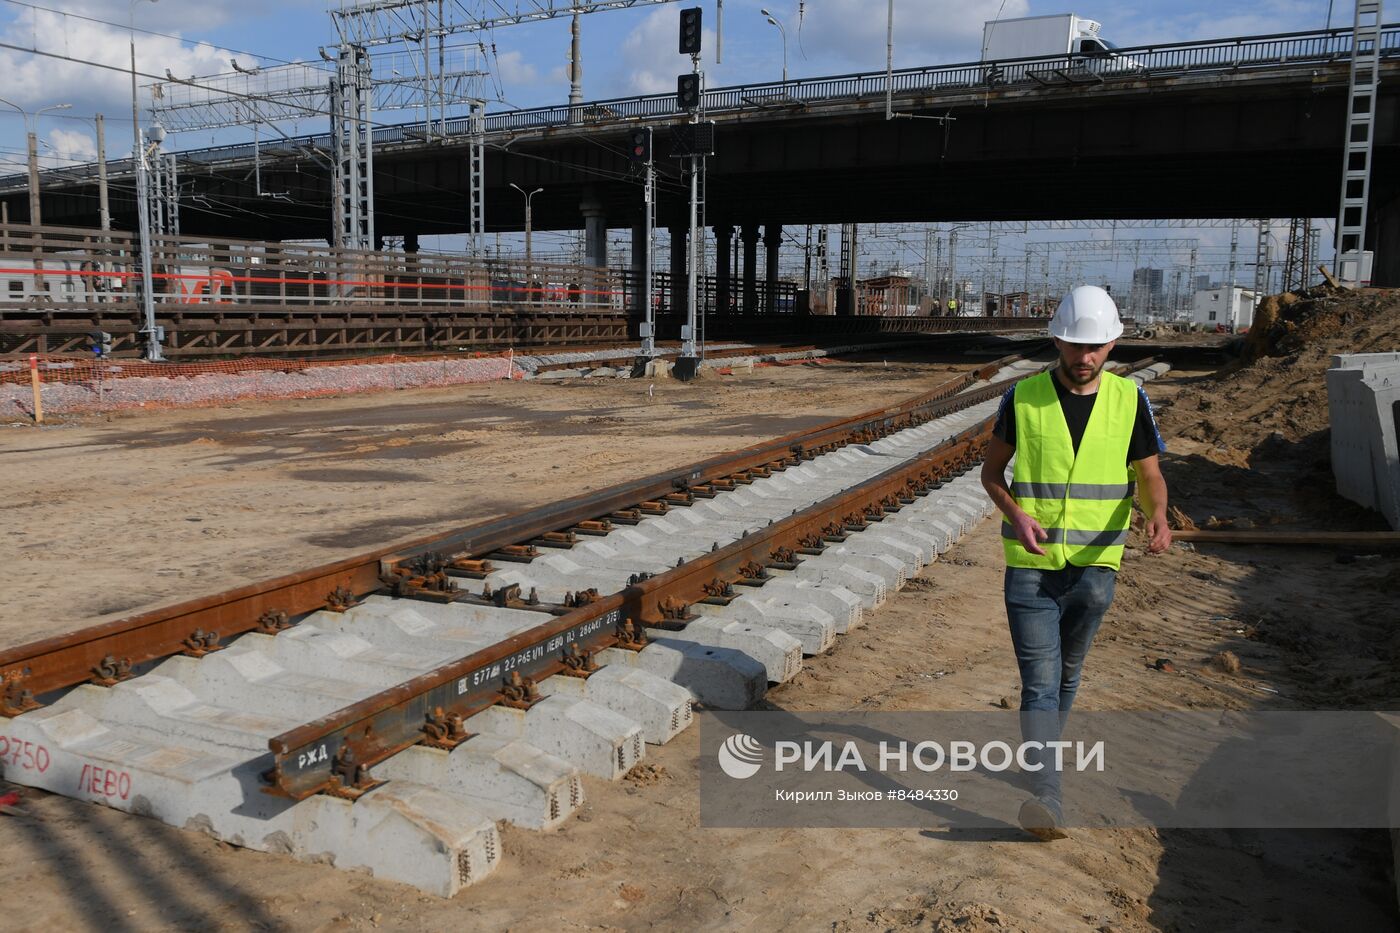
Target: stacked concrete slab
<point>1363,402</point>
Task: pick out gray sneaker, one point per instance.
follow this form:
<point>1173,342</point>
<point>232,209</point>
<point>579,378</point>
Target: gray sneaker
<point>1042,820</point>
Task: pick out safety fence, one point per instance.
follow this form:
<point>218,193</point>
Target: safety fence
<point>47,385</point>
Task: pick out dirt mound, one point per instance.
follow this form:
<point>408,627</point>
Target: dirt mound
<point>1252,443</point>
<point>1278,392</point>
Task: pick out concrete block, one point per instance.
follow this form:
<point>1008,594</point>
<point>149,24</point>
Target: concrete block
<point>813,628</point>
<point>720,678</point>
<point>844,572</point>
<point>245,676</point>
<point>794,597</point>
<point>593,739</point>
<point>1364,409</point>
<point>858,552</point>
<point>778,652</point>
<point>660,707</point>
<point>917,548</point>
<point>310,649</point>
<point>506,779</point>
<point>403,832</point>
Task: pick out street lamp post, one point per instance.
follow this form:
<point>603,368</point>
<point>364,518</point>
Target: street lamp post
<point>529,251</point>
<point>32,138</point>
<point>31,127</point>
<point>135,120</point>
<point>773,20</point>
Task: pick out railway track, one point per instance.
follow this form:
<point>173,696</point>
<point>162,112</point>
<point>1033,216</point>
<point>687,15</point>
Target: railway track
<point>386,711</point>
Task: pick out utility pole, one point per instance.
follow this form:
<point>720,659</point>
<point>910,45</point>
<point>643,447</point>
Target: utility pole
<point>529,251</point>
<point>103,208</point>
<point>143,219</point>
<point>649,221</point>
<point>953,266</point>
<point>135,119</point>
<point>34,219</point>
<point>575,67</point>
<point>929,267</point>
<point>1234,251</point>
<point>807,265</point>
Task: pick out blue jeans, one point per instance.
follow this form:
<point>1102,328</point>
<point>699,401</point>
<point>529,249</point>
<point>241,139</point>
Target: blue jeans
<point>1053,616</point>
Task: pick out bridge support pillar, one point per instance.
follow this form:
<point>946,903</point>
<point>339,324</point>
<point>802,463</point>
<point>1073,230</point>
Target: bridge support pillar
<point>1385,244</point>
<point>750,235</point>
<point>679,237</point>
<point>724,236</point>
<point>410,242</point>
<point>772,242</point>
<point>595,234</point>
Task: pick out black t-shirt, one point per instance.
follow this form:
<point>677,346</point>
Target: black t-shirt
<point>1145,441</point>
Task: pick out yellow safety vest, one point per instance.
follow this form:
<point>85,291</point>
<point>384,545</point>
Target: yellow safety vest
<point>1085,501</point>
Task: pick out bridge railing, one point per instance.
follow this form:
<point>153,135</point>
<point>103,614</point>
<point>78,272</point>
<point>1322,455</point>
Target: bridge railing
<point>1219,55</point>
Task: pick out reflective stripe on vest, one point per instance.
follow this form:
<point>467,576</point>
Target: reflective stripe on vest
<point>1073,490</point>
<point>1083,500</point>
<point>1074,536</point>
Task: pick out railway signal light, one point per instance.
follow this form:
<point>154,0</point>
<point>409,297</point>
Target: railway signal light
<point>639,145</point>
<point>690,31</point>
<point>100,343</point>
<point>688,91</point>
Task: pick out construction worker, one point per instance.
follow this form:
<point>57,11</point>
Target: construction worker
<point>952,307</point>
<point>1083,439</point>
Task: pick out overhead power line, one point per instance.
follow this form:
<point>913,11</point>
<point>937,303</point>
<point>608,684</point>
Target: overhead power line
<point>127,27</point>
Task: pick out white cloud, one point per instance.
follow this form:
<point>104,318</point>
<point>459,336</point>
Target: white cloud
<point>34,81</point>
<point>650,56</point>
<point>512,68</point>
<point>68,146</point>
<point>926,32</point>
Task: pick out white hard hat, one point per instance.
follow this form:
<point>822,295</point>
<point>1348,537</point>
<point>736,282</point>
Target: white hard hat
<point>1087,315</point>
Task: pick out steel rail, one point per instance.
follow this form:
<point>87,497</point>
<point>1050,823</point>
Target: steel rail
<point>333,754</point>
<point>109,652</point>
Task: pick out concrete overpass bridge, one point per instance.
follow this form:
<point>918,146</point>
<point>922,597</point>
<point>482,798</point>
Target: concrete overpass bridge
<point>1241,127</point>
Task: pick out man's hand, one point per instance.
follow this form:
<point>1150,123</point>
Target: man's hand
<point>1159,535</point>
<point>1029,533</point>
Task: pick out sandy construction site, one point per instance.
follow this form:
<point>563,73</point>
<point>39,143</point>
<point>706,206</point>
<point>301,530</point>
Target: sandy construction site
<point>109,516</point>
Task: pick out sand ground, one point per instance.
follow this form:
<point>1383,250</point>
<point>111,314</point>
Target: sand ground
<point>106,517</point>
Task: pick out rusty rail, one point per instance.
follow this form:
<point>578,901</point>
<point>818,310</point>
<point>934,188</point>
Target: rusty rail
<point>110,651</point>
<point>333,754</point>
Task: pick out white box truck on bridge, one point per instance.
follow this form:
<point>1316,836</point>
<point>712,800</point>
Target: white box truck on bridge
<point>1062,34</point>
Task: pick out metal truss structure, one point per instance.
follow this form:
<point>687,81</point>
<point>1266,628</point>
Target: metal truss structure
<point>1036,226</point>
<point>353,140</point>
<point>1297,261</point>
<point>1261,261</point>
<point>302,91</point>
<point>383,22</point>
<point>1135,247</point>
<point>164,200</point>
